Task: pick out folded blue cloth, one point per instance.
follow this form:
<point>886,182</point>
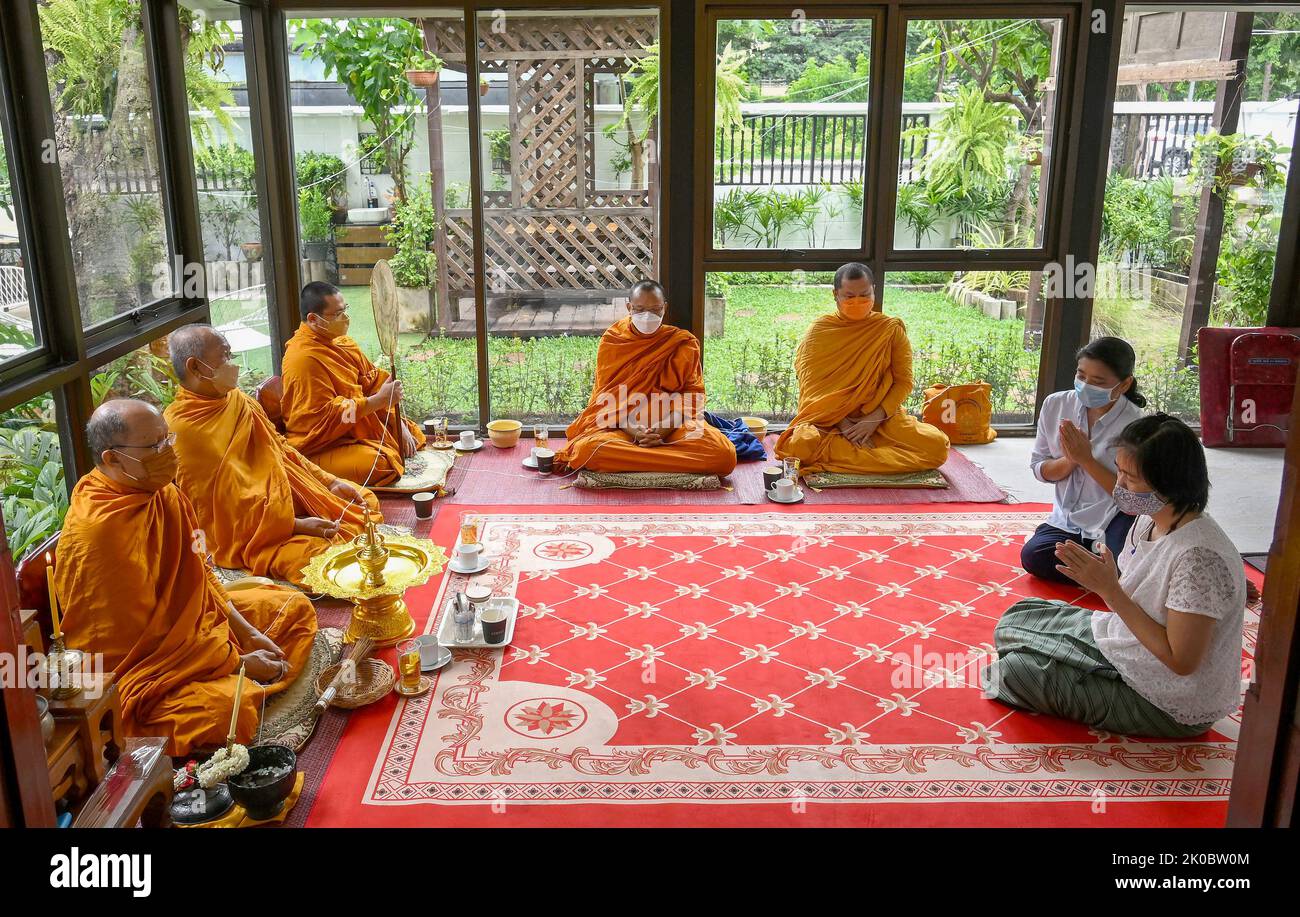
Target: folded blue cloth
<point>748,447</point>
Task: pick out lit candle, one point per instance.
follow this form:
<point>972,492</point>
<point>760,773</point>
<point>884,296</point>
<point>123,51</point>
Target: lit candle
<point>234,713</point>
<point>54,599</point>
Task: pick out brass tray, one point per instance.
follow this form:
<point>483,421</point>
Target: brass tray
<point>338,571</point>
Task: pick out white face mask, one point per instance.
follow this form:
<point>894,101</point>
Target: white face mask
<point>647,322</point>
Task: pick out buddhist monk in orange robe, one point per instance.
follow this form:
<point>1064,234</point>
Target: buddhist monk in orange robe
<point>646,411</point>
<point>340,410</point>
<point>134,589</point>
<point>262,506</point>
<point>855,371</point>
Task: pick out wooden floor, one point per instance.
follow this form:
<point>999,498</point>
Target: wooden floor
<point>547,321</point>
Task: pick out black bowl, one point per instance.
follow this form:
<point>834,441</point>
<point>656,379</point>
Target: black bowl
<point>267,782</point>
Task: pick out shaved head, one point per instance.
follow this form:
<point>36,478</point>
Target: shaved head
<point>123,421</point>
<point>194,342</point>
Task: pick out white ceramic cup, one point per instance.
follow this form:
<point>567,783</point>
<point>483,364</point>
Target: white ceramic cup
<point>466,438</point>
<point>784,489</point>
<point>533,452</point>
<point>429,652</point>
<point>478,595</point>
<point>467,554</point>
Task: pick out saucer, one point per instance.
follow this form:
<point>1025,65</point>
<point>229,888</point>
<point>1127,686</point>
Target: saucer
<point>530,462</point>
<point>797,498</point>
<point>425,684</point>
<point>442,446</point>
<point>444,655</point>
<point>478,444</point>
<point>457,568</point>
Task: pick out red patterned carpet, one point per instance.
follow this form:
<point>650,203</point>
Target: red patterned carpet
<point>721,666</point>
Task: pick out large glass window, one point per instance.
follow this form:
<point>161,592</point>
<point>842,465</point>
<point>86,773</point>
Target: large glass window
<point>979,100</point>
<point>225,172</point>
<point>104,133</point>
<point>1181,181</point>
<point>571,203</point>
<point>19,323</point>
<point>790,132</point>
<point>382,169</point>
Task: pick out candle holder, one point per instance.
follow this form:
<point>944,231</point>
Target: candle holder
<point>62,669</point>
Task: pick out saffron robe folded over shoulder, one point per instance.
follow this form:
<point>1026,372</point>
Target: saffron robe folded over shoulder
<point>323,381</point>
<point>248,486</point>
<point>847,367</point>
<point>135,590</point>
<point>638,374</point>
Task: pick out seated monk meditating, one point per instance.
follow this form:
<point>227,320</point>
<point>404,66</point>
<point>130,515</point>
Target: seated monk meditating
<point>340,410</point>
<point>262,506</point>
<point>136,590</point>
<point>855,371</point>
<point>647,405</point>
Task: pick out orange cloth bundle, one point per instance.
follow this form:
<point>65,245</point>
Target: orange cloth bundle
<point>964,412</point>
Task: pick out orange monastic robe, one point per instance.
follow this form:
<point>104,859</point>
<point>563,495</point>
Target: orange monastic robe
<point>853,367</point>
<point>133,589</point>
<point>323,379</point>
<point>631,369</point>
<point>248,485</point>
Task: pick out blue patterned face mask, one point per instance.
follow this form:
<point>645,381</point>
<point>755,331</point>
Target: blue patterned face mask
<point>1092,396</point>
<point>1137,504</point>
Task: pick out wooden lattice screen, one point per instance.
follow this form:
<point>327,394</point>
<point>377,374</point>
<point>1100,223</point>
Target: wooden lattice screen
<point>554,230</point>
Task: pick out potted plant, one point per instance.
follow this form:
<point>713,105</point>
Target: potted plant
<point>316,222</point>
<point>424,72</point>
<point>413,264</point>
<point>252,250</point>
<point>715,304</point>
<point>483,86</point>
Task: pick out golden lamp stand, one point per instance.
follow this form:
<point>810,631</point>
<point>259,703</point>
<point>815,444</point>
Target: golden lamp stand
<point>373,571</point>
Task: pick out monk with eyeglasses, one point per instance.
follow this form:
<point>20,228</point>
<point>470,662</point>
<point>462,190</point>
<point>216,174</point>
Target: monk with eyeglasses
<point>136,586</point>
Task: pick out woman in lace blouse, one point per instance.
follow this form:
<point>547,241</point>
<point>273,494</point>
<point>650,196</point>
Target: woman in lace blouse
<point>1164,659</point>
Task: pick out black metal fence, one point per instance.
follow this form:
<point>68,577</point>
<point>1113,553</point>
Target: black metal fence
<point>1144,145</point>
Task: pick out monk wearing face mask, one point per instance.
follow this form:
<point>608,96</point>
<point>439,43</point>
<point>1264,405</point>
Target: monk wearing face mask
<point>262,505</point>
<point>646,411</point>
<point>340,410</point>
<point>855,371</point>
<point>137,588</point>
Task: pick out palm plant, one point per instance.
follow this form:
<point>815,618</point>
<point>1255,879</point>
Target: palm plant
<point>918,208</point>
<point>731,215</point>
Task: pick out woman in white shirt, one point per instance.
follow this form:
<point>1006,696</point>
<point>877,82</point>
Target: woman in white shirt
<point>1075,450</point>
<point>1165,658</point>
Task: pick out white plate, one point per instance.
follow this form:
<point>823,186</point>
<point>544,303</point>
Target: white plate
<point>530,462</point>
<point>447,627</point>
<point>797,498</point>
<point>454,567</point>
<point>478,444</point>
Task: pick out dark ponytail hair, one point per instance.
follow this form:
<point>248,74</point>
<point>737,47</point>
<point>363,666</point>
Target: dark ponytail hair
<point>1170,458</point>
<point>1119,358</point>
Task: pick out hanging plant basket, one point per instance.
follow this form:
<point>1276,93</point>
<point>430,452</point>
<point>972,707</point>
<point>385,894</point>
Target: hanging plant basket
<point>1233,179</point>
<point>483,87</point>
<point>424,78</point>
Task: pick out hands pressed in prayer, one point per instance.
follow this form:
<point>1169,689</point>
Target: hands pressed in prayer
<point>346,490</point>
<point>315,526</point>
<point>1096,573</point>
<point>1075,443</point>
<point>264,666</point>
